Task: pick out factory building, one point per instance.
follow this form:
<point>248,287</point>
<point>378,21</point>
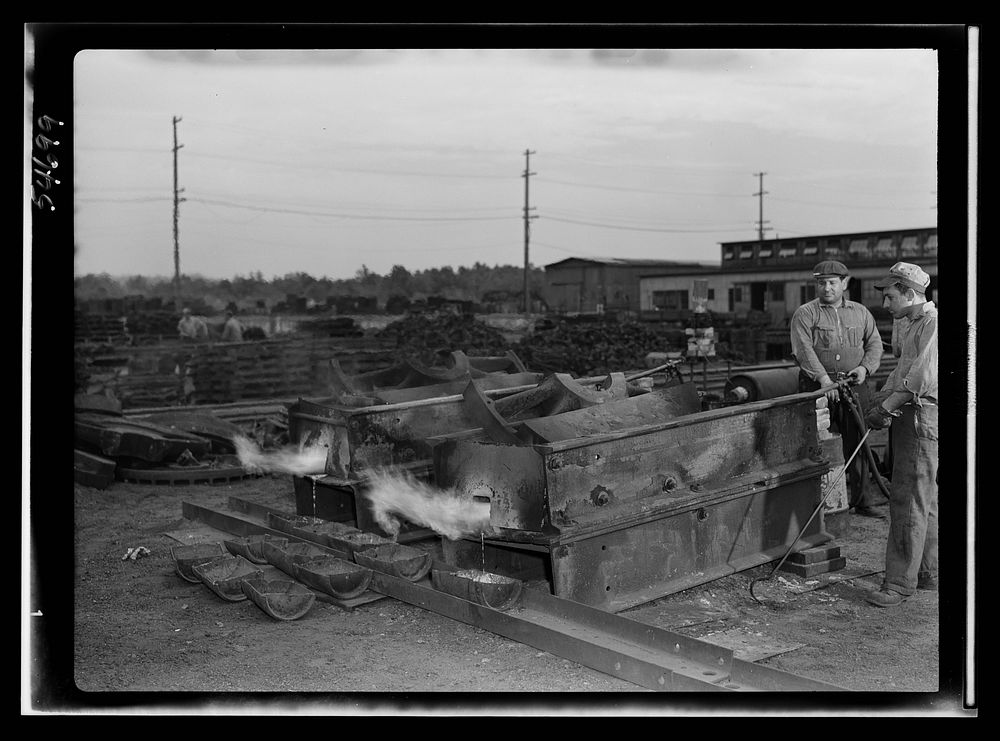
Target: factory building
<point>775,275</point>
<point>588,285</point>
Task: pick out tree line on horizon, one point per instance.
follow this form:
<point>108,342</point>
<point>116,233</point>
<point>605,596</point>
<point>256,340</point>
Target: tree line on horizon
<point>476,283</point>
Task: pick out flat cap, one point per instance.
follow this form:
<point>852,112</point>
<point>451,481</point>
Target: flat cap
<point>831,267</point>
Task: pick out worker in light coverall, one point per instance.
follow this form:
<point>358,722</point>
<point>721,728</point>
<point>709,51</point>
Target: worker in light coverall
<point>833,336</point>
<point>908,402</point>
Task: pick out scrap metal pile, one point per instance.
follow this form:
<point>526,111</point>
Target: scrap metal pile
<point>169,447</point>
<point>589,347</point>
<point>424,336</point>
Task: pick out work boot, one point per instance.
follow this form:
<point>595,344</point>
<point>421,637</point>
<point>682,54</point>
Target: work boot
<point>930,583</point>
<point>876,512</point>
<point>886,597</point>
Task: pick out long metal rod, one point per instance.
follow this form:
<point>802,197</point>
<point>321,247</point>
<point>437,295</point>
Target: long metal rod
<point>645,655</point>
<point>822,501</point>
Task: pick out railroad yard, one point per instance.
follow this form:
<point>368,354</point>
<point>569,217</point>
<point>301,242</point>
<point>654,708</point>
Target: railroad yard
<point>232,468</point>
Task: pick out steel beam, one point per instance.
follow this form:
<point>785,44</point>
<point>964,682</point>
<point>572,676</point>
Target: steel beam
<point>645,655</point>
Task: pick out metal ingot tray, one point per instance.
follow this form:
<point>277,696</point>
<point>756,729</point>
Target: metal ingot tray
<point>287,523</point>
<point>325,532</point>
<point>225,575</point>
<point>251,546</point>
<point>285,557</point>
<point>482,587</point>
<point>334,576</point>
<point>395,559</point>
<point>188,556</point>
<point>281,599</point>
<point>354,542</point>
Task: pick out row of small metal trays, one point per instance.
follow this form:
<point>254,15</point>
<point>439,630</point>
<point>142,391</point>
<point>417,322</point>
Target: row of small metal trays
<point>238,575</point>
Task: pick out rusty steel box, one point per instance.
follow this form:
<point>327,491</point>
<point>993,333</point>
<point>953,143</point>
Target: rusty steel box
<point>614,519</point>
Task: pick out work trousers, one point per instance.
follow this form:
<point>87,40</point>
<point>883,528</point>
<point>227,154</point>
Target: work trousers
<point>912,548</point>
<point>862,491</point>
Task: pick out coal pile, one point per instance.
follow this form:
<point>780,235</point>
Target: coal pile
<point>338,326</point>
<point>589,348</point>
<point>424,336</point>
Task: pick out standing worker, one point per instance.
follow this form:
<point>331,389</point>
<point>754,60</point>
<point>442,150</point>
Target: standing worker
<point>908,402</point>
<point>833,338</point>
<point>192,328</point>
<point>232,331</point>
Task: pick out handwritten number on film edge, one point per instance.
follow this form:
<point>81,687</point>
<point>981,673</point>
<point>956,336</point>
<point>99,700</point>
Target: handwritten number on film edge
<point>44,179</point>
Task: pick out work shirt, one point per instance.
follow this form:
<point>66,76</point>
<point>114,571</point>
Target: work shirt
<point>916,372</point>
<point>192,328</point>
<point>233,331</point>
<point>828,339</point>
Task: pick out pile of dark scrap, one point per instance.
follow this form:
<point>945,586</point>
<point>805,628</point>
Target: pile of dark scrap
<point>589,348</point>
<point>337,326</point>
<point>424,336</point>
<point>168,447</point>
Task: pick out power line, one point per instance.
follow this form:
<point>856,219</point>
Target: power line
<point>338,215</point>
<point>641,229</point>
<point>847,205</point>
<point>641,190</point>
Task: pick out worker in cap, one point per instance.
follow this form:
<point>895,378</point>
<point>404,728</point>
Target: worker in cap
<point>908,402</point>
<point>191,327</point>
<point>833,338</point>
<point>232,330</point>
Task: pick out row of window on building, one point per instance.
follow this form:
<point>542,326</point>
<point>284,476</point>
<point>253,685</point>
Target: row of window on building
<point>835,248</point>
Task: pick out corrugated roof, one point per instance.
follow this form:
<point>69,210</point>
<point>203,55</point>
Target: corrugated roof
<point>633,262</point>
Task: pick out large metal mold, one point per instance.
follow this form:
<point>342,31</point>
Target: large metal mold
<point>399,433</point>
<point>622,516</point>
<point>411,373</point>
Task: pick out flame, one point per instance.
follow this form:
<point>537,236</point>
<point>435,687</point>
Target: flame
<point>395,494</point>
<point>299,460</point>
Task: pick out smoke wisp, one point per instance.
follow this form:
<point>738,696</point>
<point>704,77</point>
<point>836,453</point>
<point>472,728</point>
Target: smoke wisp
<point>297,460</point>
<point>397,494</point>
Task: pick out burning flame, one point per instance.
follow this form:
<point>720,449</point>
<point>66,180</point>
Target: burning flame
<point>299,460</point>
<point>393,493</point>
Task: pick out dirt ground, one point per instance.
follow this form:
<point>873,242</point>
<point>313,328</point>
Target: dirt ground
<point>144,640</point>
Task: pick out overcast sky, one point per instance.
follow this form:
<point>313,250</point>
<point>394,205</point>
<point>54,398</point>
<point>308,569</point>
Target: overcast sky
<point>324,161</point>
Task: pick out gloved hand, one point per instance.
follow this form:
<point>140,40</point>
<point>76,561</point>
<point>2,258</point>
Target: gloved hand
<point>860,373</point>
<point>833,394</point>
<point>878,417</point>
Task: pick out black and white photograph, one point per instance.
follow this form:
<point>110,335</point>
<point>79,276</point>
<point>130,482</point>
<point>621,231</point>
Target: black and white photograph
<point>461,370</point>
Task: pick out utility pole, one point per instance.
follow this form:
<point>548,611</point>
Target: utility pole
<point>761,193</point>
<point>527,226</point>
<point>177,202</point>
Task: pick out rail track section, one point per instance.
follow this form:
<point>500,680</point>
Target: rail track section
<point>647,656</point>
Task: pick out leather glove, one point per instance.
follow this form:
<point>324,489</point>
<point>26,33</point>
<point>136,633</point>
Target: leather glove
<point>878,417</point>
<point>860,374</point>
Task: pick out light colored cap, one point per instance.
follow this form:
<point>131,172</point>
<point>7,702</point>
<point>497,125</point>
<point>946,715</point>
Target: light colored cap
<point>908,274</point>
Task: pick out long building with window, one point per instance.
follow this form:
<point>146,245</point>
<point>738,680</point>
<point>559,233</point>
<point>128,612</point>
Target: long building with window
<point>775,275</point>
<point>596,284</point>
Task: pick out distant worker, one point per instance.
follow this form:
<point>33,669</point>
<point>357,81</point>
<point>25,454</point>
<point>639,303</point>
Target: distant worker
<point>192,328</point>
<point>232,331</point>
<point>908,402</point>
<point>833,338</point>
